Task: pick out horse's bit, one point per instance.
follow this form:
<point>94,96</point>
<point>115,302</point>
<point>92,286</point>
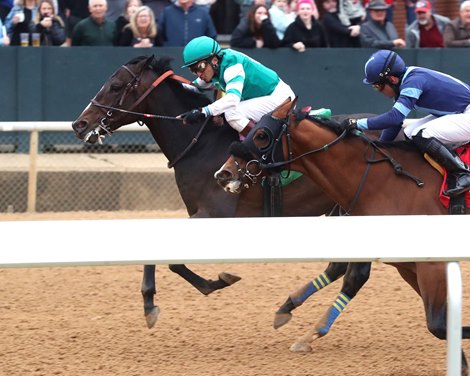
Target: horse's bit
<point>247,174</point>
<point>132,85</point>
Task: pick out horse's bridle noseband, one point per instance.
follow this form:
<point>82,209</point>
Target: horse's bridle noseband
<point>131,86</point>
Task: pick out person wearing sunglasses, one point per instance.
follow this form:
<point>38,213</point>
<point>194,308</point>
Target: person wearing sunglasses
<point>445,98</point>
<point>251,89</point>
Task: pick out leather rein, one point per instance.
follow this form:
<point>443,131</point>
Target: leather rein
<point>269,164</point>
<point>132,85</point>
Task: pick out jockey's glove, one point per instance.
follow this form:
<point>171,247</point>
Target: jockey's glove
<point>349,124</point>
<point>194,116</point>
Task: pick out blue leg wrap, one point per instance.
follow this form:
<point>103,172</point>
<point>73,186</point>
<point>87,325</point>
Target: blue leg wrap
<point>310,288</point>
<point>332,314</point>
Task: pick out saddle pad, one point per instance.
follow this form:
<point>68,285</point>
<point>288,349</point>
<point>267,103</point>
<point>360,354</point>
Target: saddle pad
<point>287,178</point>
<point>464,153</point>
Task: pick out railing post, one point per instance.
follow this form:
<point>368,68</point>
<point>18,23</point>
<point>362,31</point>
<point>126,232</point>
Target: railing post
<point>32,172</point>
<point>454,319</point>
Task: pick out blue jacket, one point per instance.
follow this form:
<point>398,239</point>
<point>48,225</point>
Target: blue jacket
<point>422,89</point>
<point>27,26</point>
<point>178,27</point>
<point>6,3</point>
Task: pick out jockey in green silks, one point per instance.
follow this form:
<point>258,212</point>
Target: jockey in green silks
<point>251,89</point>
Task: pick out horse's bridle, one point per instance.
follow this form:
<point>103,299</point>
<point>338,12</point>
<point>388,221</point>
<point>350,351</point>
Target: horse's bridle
<point>247,174</point>
<point>131,86</point>
<point>267,161</point>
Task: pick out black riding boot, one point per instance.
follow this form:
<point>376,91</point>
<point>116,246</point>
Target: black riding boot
<point>459,171</point>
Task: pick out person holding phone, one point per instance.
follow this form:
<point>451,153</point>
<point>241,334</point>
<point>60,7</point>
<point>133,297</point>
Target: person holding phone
<point>20,20</point>
<point>49,25</point>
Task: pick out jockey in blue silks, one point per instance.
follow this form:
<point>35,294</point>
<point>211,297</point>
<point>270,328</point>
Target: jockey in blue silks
<point>445,98</point>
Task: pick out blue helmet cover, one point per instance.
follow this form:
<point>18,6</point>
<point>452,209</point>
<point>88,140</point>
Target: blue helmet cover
<point>382,64</point>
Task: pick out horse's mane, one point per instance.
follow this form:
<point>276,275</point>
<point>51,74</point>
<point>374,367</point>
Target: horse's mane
<point>163,64</point>
<point>159,66</point>
<point>338,128</point>
<point>331,124</point>
<point>237,149</point>
<point>401,144</point>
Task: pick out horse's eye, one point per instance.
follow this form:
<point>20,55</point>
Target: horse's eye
<point>116,86</point>
<point>262,140</point>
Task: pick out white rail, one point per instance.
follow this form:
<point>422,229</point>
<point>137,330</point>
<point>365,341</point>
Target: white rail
<point>106,242</point>
<point>454,319</point>
<point>305,239</point>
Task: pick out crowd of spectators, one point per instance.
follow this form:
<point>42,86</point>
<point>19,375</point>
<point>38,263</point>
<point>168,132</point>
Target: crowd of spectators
<point>296,24</point>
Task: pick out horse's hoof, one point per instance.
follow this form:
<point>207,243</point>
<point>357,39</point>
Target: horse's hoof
<point>152,317</point>
<point>301,347</point>
<point>281,319</point>
<point>228,278</point>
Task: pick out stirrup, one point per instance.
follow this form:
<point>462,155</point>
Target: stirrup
<point>458,189</point>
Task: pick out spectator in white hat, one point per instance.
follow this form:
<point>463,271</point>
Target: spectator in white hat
<point>457,32</point>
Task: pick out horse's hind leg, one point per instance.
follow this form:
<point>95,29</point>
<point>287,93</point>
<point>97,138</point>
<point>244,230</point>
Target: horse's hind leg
<point>356,276</point>
<point>148,290</point>
<point>333,271</point>
<point>205,286</point>
<point>431,279</point>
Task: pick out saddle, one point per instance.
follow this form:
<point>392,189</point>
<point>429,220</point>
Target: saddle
<point>457,204</point>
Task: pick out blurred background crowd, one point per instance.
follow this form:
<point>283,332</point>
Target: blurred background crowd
<point>296,24</point>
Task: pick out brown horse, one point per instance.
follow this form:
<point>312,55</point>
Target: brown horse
<point>145,89</point>
<point>365,178</point>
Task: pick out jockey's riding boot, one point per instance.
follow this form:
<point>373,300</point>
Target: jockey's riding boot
<point>244,132</point>
<point>459,171</point>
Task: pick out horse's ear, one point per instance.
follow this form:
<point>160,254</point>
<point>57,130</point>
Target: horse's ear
<point>285,109</point>
<point>292,107</point>
<point>151,62</point>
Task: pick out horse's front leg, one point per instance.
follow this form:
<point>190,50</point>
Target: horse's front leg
<point>333,271</point>
<point>465,335</point>
<point>205,286</point>
<point>356,276</point>
<point>148,290</point>
<point>431,280</point>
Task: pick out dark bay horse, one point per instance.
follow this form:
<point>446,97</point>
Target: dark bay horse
<point>145,89</point>
<point>365,178</point>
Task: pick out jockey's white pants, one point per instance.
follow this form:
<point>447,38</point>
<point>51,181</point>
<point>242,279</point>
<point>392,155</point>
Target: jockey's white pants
<point>449,129</point>
<point>255,108</point>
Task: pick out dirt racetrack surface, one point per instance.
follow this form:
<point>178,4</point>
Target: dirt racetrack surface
<point>89,321</point>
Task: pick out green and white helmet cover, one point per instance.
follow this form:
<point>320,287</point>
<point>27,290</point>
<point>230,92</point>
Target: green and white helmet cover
<point>198,49</point>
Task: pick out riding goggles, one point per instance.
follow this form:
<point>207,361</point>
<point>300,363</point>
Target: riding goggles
<point>199,67</point>
<point>379,86</point>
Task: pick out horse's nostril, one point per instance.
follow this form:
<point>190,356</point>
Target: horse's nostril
<point>79,124</point>
<point>224,175</point>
